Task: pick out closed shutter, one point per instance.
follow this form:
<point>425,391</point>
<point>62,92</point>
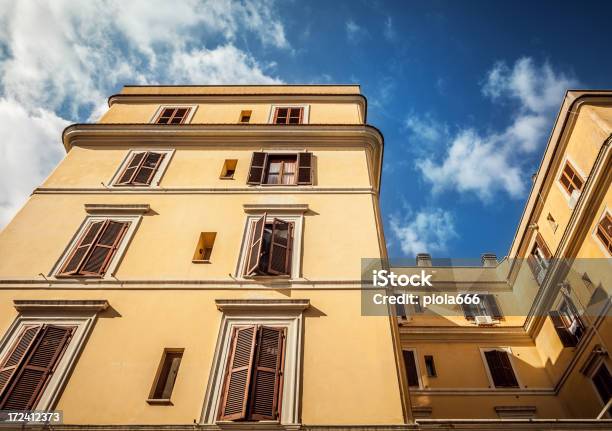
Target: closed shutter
<point>304,168</point>
<point>17,355</point>
<point>567,338</point>
<point>492,307</point>
<point>411,368</point>
<point>81,249</point>
<point>254,250</point>
<point>128,174</point>
<point>258,165</point>
<point>97,261</point>
<point>501,369</point>
<point>267,376</point>
<point>148,168</point>
<point>238,375</point>
<point>27,386</point>
<point>280,248</point>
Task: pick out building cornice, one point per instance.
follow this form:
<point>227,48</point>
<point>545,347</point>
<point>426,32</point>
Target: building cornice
<point>515,335</point>
<point>95,305</point>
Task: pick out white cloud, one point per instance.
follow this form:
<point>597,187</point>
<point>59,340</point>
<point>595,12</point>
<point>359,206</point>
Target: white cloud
<point>484,163</point>
<point>425,128</point>
<point>427,231</point>
<point>354,32</point>
<point>66,56</point>
<point>389,30</point>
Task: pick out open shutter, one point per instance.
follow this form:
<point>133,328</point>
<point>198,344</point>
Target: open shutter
<point>258,165</point>
<point>411,369</point>
<point>23,393</point>
<point>17,355</point>
<point>147,168</point>
<point>267,376</point>
<point>81,249</point>
<point>280,248</point>
<point>567,338</point>
<point>543,246</point>
<point>254,251</point>
<point>127,175</point>
<point>493,307</point>
<point>501,369</point>
<point>469,311</point>
<point>304,168</point>
<point>238,374</point>
<point>97,261</point>
<point>506,366</point>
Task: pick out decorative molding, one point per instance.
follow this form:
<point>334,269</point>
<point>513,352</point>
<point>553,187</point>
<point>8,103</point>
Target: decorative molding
<point>94,305</point>
<point>107,209</point>
<point>233,305</point>
<point>483,391</point>
<point>515,335</point>
<point>276,208</point>
<point>515,412</point>
<point>204,190</point>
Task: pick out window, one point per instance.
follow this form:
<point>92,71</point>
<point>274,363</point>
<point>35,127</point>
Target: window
<point>141,168</point>
<point>280,169</point>
<point>30,363</point>
<point>229,169</point>
<point>173,115</point>
<point>430,366</point>
<point>567,323</point>
<point>288,115</point>
<point>270,248</point>
<point>603,384</point>
<point>252,386</point>
<point>487,307</point>
<point>570,180</point>
<point>539,258</point>
<point>166,376</point>
<point>94,250</point>
<point>204,247</point>
<point>604,232</point>
<point>412,371</point>
<point>500,368</point>
<point>245,116</point>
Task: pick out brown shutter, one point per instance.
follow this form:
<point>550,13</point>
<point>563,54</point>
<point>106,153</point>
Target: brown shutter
<point>17,355</point>
<point>304,168</point>
<point>411,369</point>
<point>492,307</point>
<point>469,311</point>
<point>267,375</point>
<point>97,261</point>
<point>127,175</point>
<point>24,392</point>
<point>238,374</point>
<point>147,168</point>
<point>254,250</point>
<point>258,165</point>
<point>81,249</point>
<point>567,338</point>
<point>280,248</point>
<point>543,246</point>
<point>501,369</point>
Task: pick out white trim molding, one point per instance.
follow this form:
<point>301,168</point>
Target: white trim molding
<point>161,170</point>
<point>108,209</point>
<point>280,313</point>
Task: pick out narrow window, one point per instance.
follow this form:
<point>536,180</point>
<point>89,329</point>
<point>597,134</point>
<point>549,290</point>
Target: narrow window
<point>430,366</point>
<point>269,251</point>
<point>30,364</point>
<point>204,247</point>
<point>539,259</point>
<point>552,223</point>
<point>95,249</point>
<point>288,115</point>
<point>140,169</point>
<point>500,368</point>
<point>253,377</point>
<point>275,169</point>
<point>411,368</point>
<point>570,180</point>
<point>166,375</point>
<point>603,383</point>
<point>173,115</point>
<point>604,232</point>
<point>229,169</point>
<point>245,116</point>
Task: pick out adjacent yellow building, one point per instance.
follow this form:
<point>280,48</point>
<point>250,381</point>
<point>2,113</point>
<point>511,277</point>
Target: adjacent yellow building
<point>195,262</point>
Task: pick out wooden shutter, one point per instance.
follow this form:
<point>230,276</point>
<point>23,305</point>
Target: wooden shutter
<point>469,310</point>
<point>128,173</point>
<point>501,369</point>
<point>304,168</point>
<point>148,168</point>
<point>280,248</point>
<point>267,376</point>
<point>81,249</point>
<point>17,355</point>
<point>493,307</point>
<point>238,374</point>
<point>542,245</point>
<point>25,390</point>
<point>254,250</point>
<point>258,166</point>
<point>104,249</point>
<point>411,368</point>
<point>567,338</point>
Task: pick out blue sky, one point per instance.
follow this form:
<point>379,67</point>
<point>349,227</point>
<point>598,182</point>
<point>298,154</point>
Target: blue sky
<point>464,92</point>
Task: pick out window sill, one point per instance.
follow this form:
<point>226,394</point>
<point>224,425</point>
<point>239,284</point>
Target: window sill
<point>254,425</point>
<point>200,261</point>
<point>160,402</point>
<point>226,178</point>
<point>79,277</point>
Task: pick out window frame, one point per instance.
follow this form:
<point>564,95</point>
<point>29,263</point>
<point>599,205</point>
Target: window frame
<point>602,363</point>
<point>494,320</point>
<point>569,161</point>
<point>160,109</point>
<point>305,112</point>
<point>111,269</point>
<point>538,241</point>
<point>417,366</point>
<point>605,213</point>
<point>161,169</point>
<point>158,375</point>
<point>508,350</point>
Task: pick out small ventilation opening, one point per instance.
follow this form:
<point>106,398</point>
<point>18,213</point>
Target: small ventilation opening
<point>204,248</point>
<point>245,116</point>
<point>229,168</point>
